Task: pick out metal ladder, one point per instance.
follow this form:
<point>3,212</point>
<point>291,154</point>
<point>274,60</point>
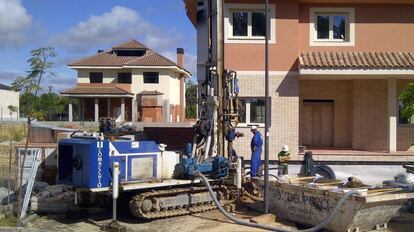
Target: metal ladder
<point>30,182</point>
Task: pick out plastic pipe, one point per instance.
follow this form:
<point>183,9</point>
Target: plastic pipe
<point>321,225</point>
<point>115,188</point>
<point>239,177</point>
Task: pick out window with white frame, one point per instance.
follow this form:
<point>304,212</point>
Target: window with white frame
<point>254,111</point>
<point>248,24</point>
<point>245,23</point>
<point>332,27</point>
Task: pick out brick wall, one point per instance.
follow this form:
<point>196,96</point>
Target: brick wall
<point>284,127</point>
<point>340,93</point>
<point>370,114</point>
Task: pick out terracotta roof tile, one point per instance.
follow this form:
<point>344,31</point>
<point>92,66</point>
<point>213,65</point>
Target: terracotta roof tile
<point>357,60</point>
<point>95,90</point>
<point>154,92</point>
<point>107,58</point>
<point>132,44</point>
<point>151,59</point>
<point>111,59</point>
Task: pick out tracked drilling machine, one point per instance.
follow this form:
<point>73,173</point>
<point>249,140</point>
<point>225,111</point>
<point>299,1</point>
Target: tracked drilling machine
<point>159,183</point>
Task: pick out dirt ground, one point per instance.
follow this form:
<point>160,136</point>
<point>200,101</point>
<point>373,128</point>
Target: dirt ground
<point>207,221</point>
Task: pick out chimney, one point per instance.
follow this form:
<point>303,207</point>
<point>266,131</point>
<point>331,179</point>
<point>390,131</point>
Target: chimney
<point>180,57</point>
<point>180,62</point>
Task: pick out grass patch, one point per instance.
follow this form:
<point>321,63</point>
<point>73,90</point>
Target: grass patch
<point>9,221</point>
<point>15,132</point>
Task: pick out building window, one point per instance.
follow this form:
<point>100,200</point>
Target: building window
<point>248,24</point>
<point>245,23</point>
<point>240,23</point>
<point>258,24</point>
<point>95,77</point>
<point>130,52</point>
<point>332,27</point>
<point>125,78</point>
<point>151,77</point>
<point>254,111</point>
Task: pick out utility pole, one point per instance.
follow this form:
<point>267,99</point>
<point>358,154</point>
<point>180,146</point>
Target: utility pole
<point>266,177</point>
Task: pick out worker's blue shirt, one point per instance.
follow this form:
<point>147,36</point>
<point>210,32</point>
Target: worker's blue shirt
<point>257,141</point>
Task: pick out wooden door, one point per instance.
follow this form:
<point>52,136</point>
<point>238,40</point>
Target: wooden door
<point>318,124</point>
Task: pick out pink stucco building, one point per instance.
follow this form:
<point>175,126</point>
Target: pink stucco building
<point>336,71</point>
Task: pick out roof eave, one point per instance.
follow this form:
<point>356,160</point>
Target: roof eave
<point>353,72</point>
<point>94,67</point>
<point>191,10</point>
<point>96,95</point>
<point>176,68</point>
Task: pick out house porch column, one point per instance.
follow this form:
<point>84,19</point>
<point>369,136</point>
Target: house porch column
<point>122,109</point>
<point>392,115</point>
<point>81,110</point>
<point>108,108</point>
<point>133,110</point>
<point>96,109</point>
<point>70,111</point>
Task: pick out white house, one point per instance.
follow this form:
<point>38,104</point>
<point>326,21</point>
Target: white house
<point>129,82</point>
<point>8,99</point>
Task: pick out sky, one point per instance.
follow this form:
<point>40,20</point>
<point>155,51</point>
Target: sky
<point>78,28</point>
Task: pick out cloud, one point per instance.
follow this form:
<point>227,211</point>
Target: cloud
<point>190,61</point>
<point>60,82</point>
<point>14,22</point>
<point>117,25</point>
<point>8,76</point>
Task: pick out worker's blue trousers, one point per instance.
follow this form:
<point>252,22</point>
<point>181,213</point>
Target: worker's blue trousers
<point>255,162</point>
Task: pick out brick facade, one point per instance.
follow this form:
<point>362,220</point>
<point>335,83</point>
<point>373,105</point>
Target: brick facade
<point>284,127</point>
<point>370,114</point>
<point>339,92</point>
<point>360,112</point>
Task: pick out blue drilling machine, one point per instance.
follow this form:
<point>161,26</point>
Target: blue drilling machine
<point>158,183</point>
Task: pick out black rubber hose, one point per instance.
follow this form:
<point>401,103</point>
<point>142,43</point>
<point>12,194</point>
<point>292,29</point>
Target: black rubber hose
<point>321,225</point>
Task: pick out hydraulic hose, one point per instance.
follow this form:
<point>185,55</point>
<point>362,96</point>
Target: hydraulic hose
<point>321,225</point>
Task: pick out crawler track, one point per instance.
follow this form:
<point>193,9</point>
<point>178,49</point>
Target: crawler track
<point>138,210</point>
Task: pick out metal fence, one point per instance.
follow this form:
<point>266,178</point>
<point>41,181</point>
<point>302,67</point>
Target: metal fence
<point>8,171</point>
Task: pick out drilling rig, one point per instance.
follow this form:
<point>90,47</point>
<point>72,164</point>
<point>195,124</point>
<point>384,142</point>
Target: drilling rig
<point>159,183</point>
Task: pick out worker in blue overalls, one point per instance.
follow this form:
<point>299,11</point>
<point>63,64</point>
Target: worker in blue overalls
<point>256,146</point>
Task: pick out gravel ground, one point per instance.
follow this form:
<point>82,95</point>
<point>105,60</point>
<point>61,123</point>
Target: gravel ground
<point>207,221</point>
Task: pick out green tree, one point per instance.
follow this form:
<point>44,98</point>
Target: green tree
<point>407,99</point>
<point>191,100</point>
<point>28,99</point>
<point>40,67</point>
<point>52,104</point>
<point>12,109</point>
